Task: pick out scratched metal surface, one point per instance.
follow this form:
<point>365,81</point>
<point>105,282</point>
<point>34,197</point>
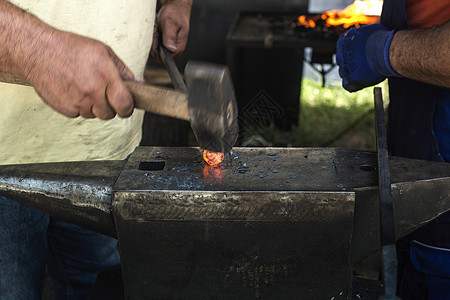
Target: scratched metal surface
<point>267,224</point>
<point>251,169</point>
<point>234,245</point>
<point>77,192</point>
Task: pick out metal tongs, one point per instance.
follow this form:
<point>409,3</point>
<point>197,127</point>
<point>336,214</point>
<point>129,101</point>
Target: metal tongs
<point>387,230</point>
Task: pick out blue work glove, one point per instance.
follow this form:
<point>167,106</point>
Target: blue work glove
<point>363,56</point>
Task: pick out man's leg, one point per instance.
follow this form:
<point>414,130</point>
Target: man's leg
<point>430,281</point>
<point>23,248</point>
<point>76,256</point>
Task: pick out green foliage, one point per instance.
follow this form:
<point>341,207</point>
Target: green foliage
<point>330,117</point>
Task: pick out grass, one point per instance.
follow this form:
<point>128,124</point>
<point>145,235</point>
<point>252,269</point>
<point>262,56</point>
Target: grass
<point>329,117</point>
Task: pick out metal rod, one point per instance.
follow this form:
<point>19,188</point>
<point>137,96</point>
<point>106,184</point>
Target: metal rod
<point>388,251</point>
<point>172,69</point>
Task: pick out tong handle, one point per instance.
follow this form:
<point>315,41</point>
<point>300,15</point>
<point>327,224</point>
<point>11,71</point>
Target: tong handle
<point>388,250</point>
<point>172,69</point>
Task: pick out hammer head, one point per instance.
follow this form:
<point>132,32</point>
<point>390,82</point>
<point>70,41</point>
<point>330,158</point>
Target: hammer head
<point>212,105</point>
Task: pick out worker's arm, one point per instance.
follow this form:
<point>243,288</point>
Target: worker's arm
<point>73,74</point>
<point>372,53</point>
<point>173,24</point>
<point>423,54</point>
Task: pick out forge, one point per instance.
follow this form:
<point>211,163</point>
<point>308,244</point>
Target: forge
<point>268,223</point>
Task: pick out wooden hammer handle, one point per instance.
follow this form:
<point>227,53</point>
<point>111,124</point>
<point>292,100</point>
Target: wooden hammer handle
<point>159,100</point>
<point>154,99</point>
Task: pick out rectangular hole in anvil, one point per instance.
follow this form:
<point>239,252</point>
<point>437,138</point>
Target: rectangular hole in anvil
<point>152,165</point>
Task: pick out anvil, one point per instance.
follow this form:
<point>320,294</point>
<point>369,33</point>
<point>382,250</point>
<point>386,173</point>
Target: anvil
<point>269,223</point>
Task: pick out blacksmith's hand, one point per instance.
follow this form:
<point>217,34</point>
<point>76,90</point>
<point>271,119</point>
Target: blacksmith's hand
<point>173,24</point>
<point>363,56</point>
<point>79,76</point>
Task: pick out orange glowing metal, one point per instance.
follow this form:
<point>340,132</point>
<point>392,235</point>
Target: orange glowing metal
<point>213,158</point>
<point>358,13</point>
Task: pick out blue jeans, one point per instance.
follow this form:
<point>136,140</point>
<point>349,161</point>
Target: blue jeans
<point>32,242</point>
<point>422,268</point>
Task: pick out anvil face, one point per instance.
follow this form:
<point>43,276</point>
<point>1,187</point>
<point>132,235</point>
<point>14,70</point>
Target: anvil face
<point>249,169</point>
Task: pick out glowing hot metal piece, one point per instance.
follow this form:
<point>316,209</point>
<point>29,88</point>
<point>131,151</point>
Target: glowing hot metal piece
<point>213,158</point>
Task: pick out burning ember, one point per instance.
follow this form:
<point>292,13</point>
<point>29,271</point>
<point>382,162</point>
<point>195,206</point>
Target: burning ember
<point>213,158</point>
<point>356,14</point>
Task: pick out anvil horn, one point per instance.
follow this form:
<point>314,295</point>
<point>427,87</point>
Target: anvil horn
<point>77,192</point>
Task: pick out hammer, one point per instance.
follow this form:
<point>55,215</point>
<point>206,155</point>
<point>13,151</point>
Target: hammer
<point>208,101</point>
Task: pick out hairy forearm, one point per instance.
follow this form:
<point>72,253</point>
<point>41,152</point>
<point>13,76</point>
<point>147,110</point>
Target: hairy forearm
<point>423,54</point>
<point>21,38</point>
<point>73,74</point>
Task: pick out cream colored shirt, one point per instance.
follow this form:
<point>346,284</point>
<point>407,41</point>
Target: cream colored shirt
<point>32,132</point>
